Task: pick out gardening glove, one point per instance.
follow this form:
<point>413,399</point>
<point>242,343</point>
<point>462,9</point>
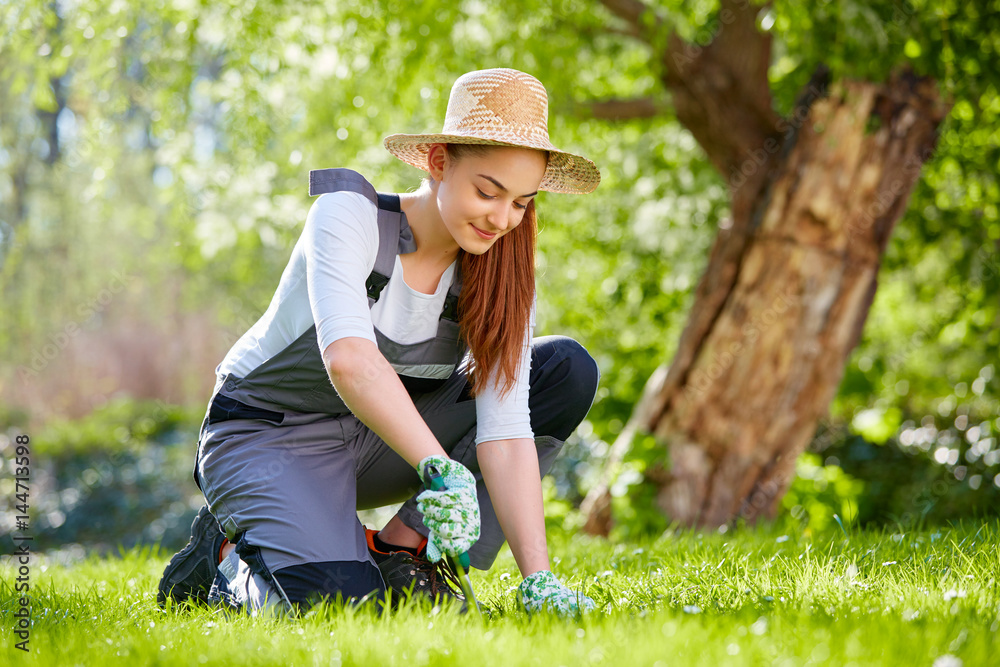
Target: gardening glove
<point>452,514</point>
<point>543,591</point>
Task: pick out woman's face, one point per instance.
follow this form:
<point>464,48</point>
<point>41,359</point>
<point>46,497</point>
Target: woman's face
<point>481,198</point>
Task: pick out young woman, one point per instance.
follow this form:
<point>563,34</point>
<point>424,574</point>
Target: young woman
<point>398,342</point>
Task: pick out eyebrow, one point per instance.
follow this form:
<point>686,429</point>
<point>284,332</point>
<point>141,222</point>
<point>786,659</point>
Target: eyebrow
<point>501,186</point>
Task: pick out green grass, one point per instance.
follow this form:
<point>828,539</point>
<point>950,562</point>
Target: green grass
<point>755,597</point>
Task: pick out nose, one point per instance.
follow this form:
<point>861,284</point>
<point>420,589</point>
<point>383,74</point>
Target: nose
<point>498,216</point>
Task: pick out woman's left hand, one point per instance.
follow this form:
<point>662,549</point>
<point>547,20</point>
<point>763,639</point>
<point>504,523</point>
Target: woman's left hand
<point>542,591</point>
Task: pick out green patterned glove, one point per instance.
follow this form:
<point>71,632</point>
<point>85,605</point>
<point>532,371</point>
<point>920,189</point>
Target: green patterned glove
<point>453,513</point>
<point>543,591</point>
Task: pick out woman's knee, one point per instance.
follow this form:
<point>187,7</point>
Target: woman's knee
<point>583,369</point>
<point>308,583</point>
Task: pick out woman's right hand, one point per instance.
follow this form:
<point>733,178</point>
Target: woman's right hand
<point>452,513</point>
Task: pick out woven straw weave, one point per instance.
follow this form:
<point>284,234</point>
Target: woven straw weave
<point>501,107</point>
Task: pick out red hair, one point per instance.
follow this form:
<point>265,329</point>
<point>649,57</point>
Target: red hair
<point>498,289</point>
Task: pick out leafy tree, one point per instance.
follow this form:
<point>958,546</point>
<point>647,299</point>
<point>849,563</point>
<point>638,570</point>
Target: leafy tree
<point>172,141</point>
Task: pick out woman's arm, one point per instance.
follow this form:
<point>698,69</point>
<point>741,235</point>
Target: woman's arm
<point>370,388</point>
<point>510,470</point>
<point>340,243</point>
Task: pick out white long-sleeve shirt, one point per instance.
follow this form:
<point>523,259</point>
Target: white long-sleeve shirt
<point>324,285</point>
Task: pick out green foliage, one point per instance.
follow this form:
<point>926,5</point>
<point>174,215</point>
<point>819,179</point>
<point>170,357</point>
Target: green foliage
<point>119,425</point>
<point>122,475</point>
<point>821,492</point>
<point>932,473</point>
<point>11,416</point>
<point>764,596</point>
<point>877,424</point>
<point>172,142</point>
<point>633,498</point>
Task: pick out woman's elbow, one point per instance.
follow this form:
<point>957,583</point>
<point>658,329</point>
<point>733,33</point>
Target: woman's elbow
<point>346,358</point>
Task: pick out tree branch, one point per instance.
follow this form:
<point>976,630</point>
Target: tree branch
<point>628,31</point>
<point>720,91</point>
<point>722,94</point>
<point>615,109</point>
<point>744,50</point>
<point>635,13</point>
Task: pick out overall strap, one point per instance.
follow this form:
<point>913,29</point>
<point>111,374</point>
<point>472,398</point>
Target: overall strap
<point>450,310</point>
<point>448,328</point>
<point>394,238</point>
<point>394,234</point>
<point>322,181</point>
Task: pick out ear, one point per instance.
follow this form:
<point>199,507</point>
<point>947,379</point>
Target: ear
<point>437,161</point>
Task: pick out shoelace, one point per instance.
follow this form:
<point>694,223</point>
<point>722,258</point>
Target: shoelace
<point>440,576</point>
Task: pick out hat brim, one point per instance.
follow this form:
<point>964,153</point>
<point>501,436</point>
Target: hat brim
<point>566,172</point>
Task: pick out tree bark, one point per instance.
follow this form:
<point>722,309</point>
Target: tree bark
<point>790,278</point>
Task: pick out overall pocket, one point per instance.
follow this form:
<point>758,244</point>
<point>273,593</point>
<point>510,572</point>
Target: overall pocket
<point>224,408</point>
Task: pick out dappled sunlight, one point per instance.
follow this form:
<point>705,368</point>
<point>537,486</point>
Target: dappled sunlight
<point>796,321</point>
<point>762,595</point>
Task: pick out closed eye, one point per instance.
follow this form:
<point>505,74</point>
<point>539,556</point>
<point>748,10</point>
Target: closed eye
<point>486,196</point>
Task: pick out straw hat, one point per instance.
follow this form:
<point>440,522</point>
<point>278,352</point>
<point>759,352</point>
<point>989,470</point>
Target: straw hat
<point>501,107</point>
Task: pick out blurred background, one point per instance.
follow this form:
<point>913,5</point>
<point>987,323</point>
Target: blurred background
<point>154,163</point>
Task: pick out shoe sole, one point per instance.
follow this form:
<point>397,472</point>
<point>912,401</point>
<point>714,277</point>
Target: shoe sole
<point>175,582</point>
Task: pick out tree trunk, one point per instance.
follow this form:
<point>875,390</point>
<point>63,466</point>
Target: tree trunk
<point>782,303</point>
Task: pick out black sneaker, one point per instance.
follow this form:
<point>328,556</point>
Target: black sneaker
<point>406,574</point>
<point>191,571</point>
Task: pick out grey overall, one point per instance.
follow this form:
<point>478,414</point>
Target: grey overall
<point>285,466</point>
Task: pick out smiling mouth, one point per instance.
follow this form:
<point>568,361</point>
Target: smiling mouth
<point>482,234</point>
